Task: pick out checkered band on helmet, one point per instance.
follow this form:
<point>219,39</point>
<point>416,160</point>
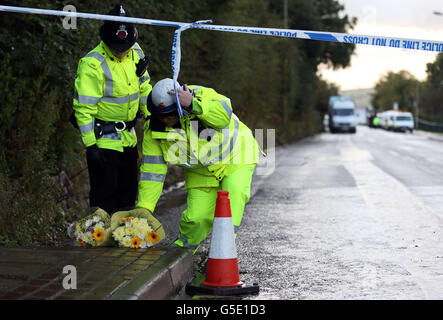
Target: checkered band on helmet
<point>119,36</point>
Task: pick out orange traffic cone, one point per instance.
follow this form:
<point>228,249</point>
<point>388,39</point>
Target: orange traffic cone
<point>222,276</point>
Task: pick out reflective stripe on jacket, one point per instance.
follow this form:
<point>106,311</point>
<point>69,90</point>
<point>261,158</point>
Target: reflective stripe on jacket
<point>108,89</point>
<point>211,144</point>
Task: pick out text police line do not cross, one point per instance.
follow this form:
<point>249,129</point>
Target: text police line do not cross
<point>394,42</point>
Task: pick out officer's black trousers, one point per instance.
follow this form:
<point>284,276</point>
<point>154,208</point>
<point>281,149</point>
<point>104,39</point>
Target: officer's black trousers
<point>114,183</point>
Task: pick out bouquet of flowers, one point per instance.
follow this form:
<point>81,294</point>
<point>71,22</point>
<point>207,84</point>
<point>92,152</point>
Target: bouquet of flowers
<point>93,230</point>
<point>136,228</point>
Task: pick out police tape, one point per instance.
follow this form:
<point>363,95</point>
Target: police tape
<point>93,16</point>
<point>379,41</point>
<point>176,57</point>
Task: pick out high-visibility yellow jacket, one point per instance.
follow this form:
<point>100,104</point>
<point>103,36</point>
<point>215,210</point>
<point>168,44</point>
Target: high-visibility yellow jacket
<point>210,144</point>
<point>107,88</point>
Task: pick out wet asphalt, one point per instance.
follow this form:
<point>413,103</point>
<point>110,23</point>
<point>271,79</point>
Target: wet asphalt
<point>348,216</point>
<point>342,216</point>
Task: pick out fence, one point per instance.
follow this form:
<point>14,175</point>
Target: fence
<point>430,126</point>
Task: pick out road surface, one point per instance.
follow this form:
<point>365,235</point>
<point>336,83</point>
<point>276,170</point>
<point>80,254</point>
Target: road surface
<point>348,216</point>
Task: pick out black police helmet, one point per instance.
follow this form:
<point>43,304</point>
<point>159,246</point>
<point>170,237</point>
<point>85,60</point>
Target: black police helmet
<point>119,36</point>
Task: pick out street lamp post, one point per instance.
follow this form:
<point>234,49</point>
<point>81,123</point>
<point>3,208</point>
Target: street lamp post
<point>285,61</point>
<point>417,98</point>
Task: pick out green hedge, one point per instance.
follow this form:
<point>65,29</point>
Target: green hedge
<point>43,175</point>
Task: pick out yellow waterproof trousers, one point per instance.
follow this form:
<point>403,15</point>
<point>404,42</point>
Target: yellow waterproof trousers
<point>197,219</point>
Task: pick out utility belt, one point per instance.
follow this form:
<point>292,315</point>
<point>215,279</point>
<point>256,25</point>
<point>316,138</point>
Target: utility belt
<point>105,127</point>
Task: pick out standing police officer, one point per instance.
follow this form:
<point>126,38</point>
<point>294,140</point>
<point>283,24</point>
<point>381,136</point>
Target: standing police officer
<point>111,87</point>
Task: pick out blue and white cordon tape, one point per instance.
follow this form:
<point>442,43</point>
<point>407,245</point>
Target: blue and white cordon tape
<point>390,42</point>
<point>176,57</point>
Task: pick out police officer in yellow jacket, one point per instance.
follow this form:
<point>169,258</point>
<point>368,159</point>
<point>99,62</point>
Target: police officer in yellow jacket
<point>217,151</point>
<point>111,87</point>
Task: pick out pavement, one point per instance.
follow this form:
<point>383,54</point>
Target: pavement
<point>101,273</point>
<point>106,273</point>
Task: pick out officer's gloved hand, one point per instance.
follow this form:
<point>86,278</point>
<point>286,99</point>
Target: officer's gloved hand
<point>185,97</point>
<point>94,155</point>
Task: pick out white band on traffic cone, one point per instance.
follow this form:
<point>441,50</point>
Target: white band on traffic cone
<point>223,239</point>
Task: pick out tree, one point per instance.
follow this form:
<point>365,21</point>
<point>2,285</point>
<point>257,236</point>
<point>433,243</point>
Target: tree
<point>319,15</point>
<point>397,87</point>
<point>434,72</point>
<point>43,174</point>
<point>431,91</point>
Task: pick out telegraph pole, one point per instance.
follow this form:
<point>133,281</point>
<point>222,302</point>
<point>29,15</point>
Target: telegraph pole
<point>285,14</point>
<point>285,63</point>
<point>417,98</point>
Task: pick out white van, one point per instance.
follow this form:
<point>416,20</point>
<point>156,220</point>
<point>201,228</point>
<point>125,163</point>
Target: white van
<point>397,121</point>
<point>342,116</point>
<point>388,119</point>
<point>403,121</point>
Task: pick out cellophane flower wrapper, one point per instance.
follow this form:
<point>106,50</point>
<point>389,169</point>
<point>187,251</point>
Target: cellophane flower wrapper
<point>136,229</point>
<point>94,230</point>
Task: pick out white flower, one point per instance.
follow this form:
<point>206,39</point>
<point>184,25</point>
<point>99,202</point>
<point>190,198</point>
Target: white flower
<point>87,237</point>
<point>118,234</point>
<point>88,223</point>
<point>126,241</point>
<point>141,235</point>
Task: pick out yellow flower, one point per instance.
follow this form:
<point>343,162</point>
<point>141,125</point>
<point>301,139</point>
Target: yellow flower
<point>99,234</point>
<point>127,219</point>
<point>135,243</point>
<point>153,237</point>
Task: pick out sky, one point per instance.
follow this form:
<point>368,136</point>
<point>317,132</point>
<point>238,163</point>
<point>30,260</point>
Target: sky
<point>412,19</point>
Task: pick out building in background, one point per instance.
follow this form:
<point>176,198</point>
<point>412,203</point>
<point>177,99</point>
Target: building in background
<point>362,99</point>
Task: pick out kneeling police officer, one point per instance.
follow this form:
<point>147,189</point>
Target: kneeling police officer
<point>216,150</point>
